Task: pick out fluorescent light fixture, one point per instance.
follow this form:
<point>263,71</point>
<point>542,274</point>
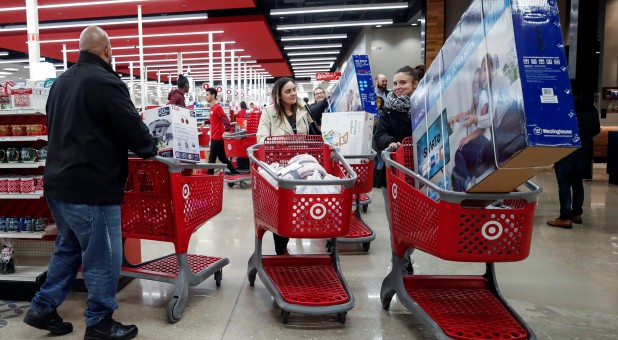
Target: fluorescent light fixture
<point>6,73</point>
<point>14,61</point>
<point>134,36</point>
<point>414,24</point>
<point>314,37</point>
<point>111,22</point>
<point>303,47</point>
<point>292,54</point>
<point>79,4</point>
<point>312,59</point>
<point>11,69</point>
<point>312,64</point>
<point>378,26</point>
<point>176,53</point>
<point>2,77</point>
<point>305,70</point>
<point>4,53</point>
<point>344,8</point>
<point>335,24</point>
<point>160,46</point>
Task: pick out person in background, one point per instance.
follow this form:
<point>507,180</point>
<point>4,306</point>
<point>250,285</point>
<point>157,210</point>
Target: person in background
<point>319,106</point>
<point>242,113</point>
<point>571,169</point>
<point>88,107</point>
<point>219,124</point>
<point>251,107</point>
<point>177,96</point>
<point>286,116</point>
<point>381,82</point>
<point>379,174</point>
<point>396,123</point>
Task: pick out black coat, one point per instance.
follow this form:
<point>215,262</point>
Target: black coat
<point>393,126</point>
<point>317,109</point>
<point>92,123</point>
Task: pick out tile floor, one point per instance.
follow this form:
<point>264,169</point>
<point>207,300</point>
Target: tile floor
<point>566,289</point>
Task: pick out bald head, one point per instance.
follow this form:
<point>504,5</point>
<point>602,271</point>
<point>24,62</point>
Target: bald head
<point>94,40</point>
<point>381,82</point>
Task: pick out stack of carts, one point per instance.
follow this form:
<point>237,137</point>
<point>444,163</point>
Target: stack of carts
<point>309,284</point>
<point>360,232</point>
<point>236,145</point>
<point>460,227</point>
<point>167,201</point>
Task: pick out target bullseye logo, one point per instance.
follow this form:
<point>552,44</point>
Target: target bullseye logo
<point>229,147</point>
<point>492,230</point>
<point>394,191</point>
<point>185,191</point>
<point>318,211</point>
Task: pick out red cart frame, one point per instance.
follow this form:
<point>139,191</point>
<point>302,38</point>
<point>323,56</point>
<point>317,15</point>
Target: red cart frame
<point>167,201</point>
<point>479,227</point>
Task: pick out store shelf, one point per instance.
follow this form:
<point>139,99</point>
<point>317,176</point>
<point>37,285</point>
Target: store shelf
<point>20,112</point>
<point>22,138</point>
<point>30,165</point>
<point>27,269</point>
<point>34,196</point>
<point>50,230</point>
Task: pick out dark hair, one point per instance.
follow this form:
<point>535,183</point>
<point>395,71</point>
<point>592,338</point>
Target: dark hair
<point>415,74</point>
<point>306,100</point>
<point>243,105</point>
<point>379,102</point>
<point>276,96</point>
<point>182,81</point>
<point>212,91</point>
<point>420,68</point>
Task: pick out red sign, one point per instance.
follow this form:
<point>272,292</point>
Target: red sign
<point>33,36</point>
<point>229,91</point>
<point>327,75</point>
<point>219,89</point>
<point>205,86</point>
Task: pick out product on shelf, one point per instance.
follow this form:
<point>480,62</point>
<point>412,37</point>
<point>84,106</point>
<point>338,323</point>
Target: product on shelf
<point>7,259</point>
<point>22,224</point>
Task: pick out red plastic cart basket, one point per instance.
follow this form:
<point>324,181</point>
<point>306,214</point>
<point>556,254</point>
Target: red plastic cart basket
<point>167,201</point>
<point>236,145</point>
<point>479,227</point>
<point>310,284</point>
<point>253,121</point>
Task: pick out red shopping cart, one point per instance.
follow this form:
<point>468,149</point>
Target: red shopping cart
<point>457,227</point>
<point>360,232</point>
<point>236,145</point>
<point>167,201</point>
<point>309,284</point>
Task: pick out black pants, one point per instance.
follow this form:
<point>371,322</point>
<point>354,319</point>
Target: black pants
<point>217,150</point>
<point>281,244</point>
<point>570,173</point>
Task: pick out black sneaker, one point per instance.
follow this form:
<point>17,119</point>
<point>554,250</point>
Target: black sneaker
<point>51,322</point>
<point>108,328</point>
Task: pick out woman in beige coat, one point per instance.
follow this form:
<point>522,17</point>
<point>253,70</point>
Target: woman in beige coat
<point>284,117</point>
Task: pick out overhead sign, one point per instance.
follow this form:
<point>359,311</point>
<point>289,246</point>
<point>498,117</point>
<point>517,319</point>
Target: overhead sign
<point>219,89</point>
<point>205,86</point>
<point>229,91</point>
<point>327,75</point>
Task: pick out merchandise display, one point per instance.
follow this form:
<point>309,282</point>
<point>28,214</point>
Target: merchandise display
<point>351,132</point>
<point>493,107</point>
<point>355,91</point>
<point>175,130</point>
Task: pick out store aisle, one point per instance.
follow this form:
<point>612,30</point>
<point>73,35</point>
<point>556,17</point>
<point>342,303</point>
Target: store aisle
<point>566,289</point>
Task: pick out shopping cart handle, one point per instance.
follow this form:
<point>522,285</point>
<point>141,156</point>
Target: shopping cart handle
<point>371,156</point>
<point>175,165</point>
<point>458,197</point>
<point>291,183</point>
<point>238,135</point>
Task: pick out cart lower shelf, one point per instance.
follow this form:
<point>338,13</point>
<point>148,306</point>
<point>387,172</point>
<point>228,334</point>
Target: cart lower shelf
<point>364,199</point>
<point>463,307</point>
<point>358,229</point>
<point>306,280</point>
<point>168,266</point>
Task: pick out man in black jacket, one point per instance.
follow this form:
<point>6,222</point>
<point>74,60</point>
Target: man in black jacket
<point>319,106</point>
<point>92,123</point>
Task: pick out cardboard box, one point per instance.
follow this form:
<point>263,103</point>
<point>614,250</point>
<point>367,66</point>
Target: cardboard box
<point>355,91</point>
<point>175,130</point>
<point>496,104</point>
<point>351,132</point>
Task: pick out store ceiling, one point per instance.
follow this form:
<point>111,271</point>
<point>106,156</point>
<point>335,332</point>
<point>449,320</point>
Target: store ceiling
<point>246,22</point>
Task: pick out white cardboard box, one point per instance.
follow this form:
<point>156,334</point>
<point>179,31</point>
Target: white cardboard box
<point>351,132</point>
<point>175,130</point>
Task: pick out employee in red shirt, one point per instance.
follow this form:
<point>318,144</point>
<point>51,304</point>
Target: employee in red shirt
<point>218,124</point>
<point>177,96</point>
<point>243,110</point>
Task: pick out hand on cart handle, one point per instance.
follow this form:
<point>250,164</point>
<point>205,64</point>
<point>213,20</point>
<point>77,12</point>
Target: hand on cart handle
<point>394,145</point>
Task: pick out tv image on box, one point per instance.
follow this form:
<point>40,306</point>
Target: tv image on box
<point>433,148</point>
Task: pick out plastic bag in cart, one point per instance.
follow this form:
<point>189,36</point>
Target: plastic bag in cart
<point>318,189</point>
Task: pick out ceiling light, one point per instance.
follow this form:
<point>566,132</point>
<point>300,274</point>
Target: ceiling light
<point>291,54</point>
<point>299,47</point>
<point>4,53</point>
<point>315,68</point>
<point>6,73</point>
<point>346,8</point>
<point>79,4</point>
<point>312,59</point>
<point>110,22</point>
<point>314,37</point>
<point>161,46</point>
<point>14,61</point>
<point>414,24</point>
<point>176,53</point>
<point>11,69</point>
<point>134,36</point>
<point>335,24</point>
<point>378,26</point>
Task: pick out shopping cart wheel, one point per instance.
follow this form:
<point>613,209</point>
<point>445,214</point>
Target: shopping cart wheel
<point>341,316</point>
<point>365,207</point>
<point>366,246</point>
<point>284,316</point>
<point>174,312</point>
<point>230,184</point>
<point>218,277</point>
<point>243,184</point>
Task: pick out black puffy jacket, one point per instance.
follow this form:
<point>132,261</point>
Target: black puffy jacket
<point>393,126</point>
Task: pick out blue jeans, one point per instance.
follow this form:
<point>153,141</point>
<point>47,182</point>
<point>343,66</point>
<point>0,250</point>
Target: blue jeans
<point>570,173</point>
<point>89,235</point>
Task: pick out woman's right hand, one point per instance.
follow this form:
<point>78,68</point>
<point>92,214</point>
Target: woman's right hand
<point>394,145</point>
